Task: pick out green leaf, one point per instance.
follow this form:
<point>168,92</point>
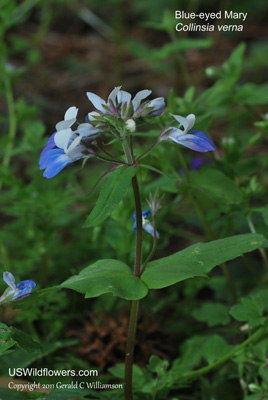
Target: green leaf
<point>67,394</point>
<point>198,260</point>
<point>213,314</point>
<point>24,341</point>
<point>7,394</point>
<point>140,376</point>
<point>110,195</point>
<point>216,185</point>
<point>215,348</point>
<point>157,365</point>
<point>151,168</point>
<point>5,338</point>
<point>252,308</point>
<point>22,359</point>
<point>179,46</point>
<point>232,68</point>
<point>107,276</point>
<point>35,296</point>
<point>251,94</point>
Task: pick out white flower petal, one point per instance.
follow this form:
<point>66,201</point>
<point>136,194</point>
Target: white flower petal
<point>65,124</point>
<point>113,94</point>
<point>183,121</point>
<point>93,115</point>
<point>71,113</point>
<point>175,135</point>
<point>139,97</point>
<point>74,143</point>
<point>150,229</point>
<point>86,130</point>
<point>96,100</point>
<point>191,121</point>
<point>9,279</point>
<point>76,152</point>
<point>123,97</point>
<point>62,138</point>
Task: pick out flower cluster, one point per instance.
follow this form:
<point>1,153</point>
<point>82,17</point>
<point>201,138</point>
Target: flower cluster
<point>195,140</point>
<point>68,145</point>
<point>146,225</point>
<point>116,116</point>
<point>119,103</point>
<point>18,291</point>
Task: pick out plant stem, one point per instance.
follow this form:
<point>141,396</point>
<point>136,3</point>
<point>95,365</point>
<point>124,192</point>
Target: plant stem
<point>130,348</point>
<point>256,335</point>
<point>110,161</point>
<point>207,227</point>
<point>261,250</point>
<point>147,151</point>
<point>137,271</point>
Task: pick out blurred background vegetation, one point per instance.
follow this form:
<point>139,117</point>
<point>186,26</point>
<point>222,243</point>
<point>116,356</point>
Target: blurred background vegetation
<point>52,52</point>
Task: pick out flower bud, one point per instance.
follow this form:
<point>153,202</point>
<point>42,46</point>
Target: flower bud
<point>157,106</point>
<point>130,125</point>
<point>93,116</point>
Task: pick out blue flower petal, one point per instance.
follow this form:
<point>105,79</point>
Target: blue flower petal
<point>50,144</point>
<point>49,157</point>
<point>57,165</point>
<point>146,225</point>
<point>24,289</point>
<point>19,291</point>
<point>146,213</point>
<point>196,140</point>
<point>202,135</point>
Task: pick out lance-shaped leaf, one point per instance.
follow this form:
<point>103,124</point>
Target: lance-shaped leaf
<point>106,276</point>
<point>216,186</point>
<point>114,189</point>
<point>199,259</point>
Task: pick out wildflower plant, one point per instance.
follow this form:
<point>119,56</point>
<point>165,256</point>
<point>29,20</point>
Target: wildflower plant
<point>116,119</point>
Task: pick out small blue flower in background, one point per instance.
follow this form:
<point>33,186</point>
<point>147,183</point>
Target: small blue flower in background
<point>196,163</point>
<point>194,140</point>
<point>64,146</point>
<point>146,225</point>
<point>16,292</point>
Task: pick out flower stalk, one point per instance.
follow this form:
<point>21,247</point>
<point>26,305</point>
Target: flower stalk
<point>137,271</point>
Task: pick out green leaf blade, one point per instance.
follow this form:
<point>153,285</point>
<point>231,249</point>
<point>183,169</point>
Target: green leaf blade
<point>198,260</point>
<point>107,276</point>
<point>217,186</point>
<point>114,189</point>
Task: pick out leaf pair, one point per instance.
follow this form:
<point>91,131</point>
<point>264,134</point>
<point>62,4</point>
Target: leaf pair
<point>113,276</point>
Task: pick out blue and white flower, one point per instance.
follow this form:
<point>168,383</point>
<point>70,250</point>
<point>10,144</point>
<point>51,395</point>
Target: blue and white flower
<point>16,292</point>
<point>195,140</point>
<point>146,225</point>
<point>153,108</point>
<point>120,103</point>
<point>64,146</point>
